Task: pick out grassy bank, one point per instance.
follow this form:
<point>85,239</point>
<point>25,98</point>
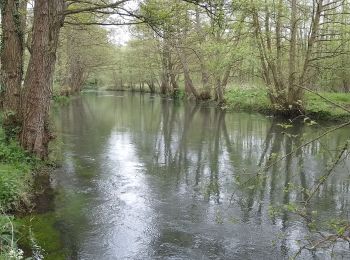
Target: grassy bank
<point>16,181</point>
<point>24,182</point>
<point>256,99</point>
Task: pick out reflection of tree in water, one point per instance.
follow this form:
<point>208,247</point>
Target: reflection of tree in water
<point>290,182</point>
<point>207,155</point>
<point>77,122</point>
<point>213,189</point>
<point>195,141</point>
<point>195,145</point>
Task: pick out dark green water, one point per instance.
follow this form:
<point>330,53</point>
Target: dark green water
<point>147,178</point>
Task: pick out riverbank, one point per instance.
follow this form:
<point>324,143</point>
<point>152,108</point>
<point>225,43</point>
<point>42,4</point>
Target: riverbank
<point>256,100</point>
<point>23,178</point>
<point>16,180</point>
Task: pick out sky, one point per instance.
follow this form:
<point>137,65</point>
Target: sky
<point>121,34</point>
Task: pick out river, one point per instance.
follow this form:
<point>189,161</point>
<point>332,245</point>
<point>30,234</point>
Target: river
<point>145,177</point>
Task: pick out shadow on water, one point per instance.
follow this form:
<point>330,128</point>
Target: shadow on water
<point>151,178</point>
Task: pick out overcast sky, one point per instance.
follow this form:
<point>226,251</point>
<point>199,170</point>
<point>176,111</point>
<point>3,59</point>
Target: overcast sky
<point>121,34</point>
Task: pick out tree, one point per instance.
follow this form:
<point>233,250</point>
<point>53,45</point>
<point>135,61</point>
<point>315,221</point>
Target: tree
<point>48,20</point>
<point>12,48</point>
<point>297,41</point>
<point>82,50</point>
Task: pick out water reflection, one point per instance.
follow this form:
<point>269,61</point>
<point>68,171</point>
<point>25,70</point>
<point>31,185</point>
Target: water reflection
<point>151,178</point>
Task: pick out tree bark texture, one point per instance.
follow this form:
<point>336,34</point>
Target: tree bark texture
<point>35,132</point>
<point>11,54</point>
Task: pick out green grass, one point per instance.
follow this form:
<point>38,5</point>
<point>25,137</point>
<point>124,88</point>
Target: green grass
<point>256,99</point>
<point>15,173</point>
<point>15,182</point>
<point>319,108</point>
<point>17,187</point>
<point>16,179</point>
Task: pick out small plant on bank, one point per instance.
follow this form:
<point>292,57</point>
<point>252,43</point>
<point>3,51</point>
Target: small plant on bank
<point>8,245</point>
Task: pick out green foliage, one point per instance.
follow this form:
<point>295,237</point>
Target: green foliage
<point>15,177</point>
<point>60,100</point>
<point>320,109</point>
<point>285,126</point>
<point>180,94</point>
<point>8,245</point>
<point>253,99</point>
<point>12,153</point>
<point>14,183</point>
<point>339,226</point>
<point>256,99</point>
<point>85,54</point>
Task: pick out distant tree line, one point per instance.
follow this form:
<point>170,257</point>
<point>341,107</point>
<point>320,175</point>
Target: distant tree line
<point>193,48</point>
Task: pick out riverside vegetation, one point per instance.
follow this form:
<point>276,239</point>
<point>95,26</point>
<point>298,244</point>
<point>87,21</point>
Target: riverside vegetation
<point>16,178</point>
<point>256,100</point>
<point>23,178</point>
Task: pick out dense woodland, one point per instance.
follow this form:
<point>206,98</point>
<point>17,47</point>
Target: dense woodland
<point>197,49</point>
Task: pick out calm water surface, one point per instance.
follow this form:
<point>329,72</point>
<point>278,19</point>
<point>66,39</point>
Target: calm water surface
<point>150,178</point>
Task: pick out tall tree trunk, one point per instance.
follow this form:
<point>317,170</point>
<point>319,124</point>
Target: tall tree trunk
<point>345,58</point>
<point>175,86</point>
<point>277,92</point>
<point>226,77</point>
<point>265,56</point>
<point>204,71</point>
<point>219,91</point>
<point>76,73</point>
<point>48,19</point>
<point>164,87</point>
<point>311,41</point>
<point>279,45</point>
<point>151,86</point>
<point>292,53</point>
<point>189,87</point>
<point>12,48</point>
